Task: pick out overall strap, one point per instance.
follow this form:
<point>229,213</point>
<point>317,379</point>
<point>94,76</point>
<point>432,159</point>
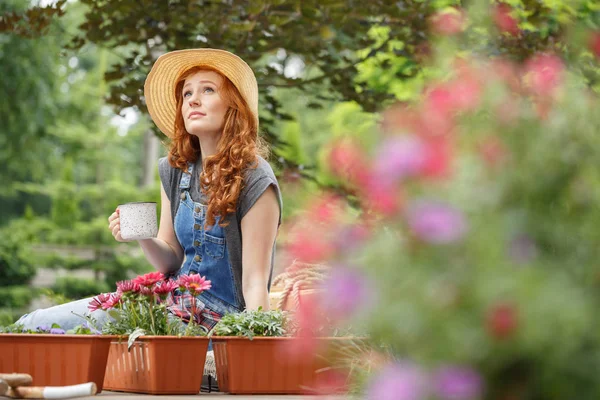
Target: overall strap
<point>186,177</point>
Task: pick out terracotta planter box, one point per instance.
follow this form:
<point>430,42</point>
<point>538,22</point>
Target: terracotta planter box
<point>157,365</point>
<point>261,366</point>
<point>56,360</point>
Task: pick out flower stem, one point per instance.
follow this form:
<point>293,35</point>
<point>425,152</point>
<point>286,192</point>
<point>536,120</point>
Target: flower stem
<point>152,316</point>
<point>193,316</point>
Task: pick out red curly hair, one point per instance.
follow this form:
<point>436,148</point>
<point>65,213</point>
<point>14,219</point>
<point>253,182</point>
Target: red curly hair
<point>238,148</point>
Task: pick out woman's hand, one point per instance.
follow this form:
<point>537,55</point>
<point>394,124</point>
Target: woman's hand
<point>115,226</point>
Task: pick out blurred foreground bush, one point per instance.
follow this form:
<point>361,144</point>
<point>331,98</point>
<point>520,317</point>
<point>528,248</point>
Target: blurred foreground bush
<point>470,251</point>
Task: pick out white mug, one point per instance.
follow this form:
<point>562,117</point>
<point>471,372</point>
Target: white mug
<point>138,220</point>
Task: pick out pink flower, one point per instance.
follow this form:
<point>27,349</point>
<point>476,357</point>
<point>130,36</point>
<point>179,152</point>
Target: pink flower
<point>347,161</point>
<point>467,93</point>
<point>505,71</point>
<point>330,381</point>
<point>146,291</point>
<point>163,289</point>
<point>351,237</point>
<point>492,150</point>
<point>382,197</point>
<point>449,22</point>
<point>346,292</point>
<point>504,21</point>
<point>98,302</point>
<point>438,157</point>
<point>149,279</point>
<point>399,157</point>
<point>544,74</point>
<point>595,43</point>
<point>436,222</point>
<point>308,247</point>
<point>326,209</point>
<point>127,287</point>
<point>440,100</point>
<point>462,94</point>
<point>112,302</point>
<point>458,383</point>
<point>401,381</point>
<point>508,111</point>
<point>195,284</point>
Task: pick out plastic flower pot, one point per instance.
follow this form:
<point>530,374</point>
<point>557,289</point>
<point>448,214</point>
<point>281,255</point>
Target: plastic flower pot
<point>157,365</point>
<point>262,366</point>
<point>56,360</point>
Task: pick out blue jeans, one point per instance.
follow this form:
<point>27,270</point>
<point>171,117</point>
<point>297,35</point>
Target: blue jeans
<point>64,315</point>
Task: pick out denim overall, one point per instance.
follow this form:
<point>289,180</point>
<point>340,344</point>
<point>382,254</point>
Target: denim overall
<point>205,253</point>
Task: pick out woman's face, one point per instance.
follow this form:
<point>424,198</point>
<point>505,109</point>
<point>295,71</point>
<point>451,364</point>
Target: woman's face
<point>203,109</point>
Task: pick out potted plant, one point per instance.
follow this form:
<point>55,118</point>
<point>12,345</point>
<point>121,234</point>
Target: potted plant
<point>260,352</point>
<point>53,356</point>
<point>162,355</point>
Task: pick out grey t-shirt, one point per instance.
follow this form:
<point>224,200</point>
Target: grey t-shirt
<point>256,181</point>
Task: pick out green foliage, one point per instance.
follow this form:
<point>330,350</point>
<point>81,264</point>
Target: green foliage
<point>55,298</point>
<point>8,317</point>
<point>148,318</point>
<point>514,295</point>
<point>12,328</point>
<point>16,265</point>
<point>65,210</point>
<point>82,329</point>
<point>16,296</point>
<point>77,288</point>
<point>252,323</point>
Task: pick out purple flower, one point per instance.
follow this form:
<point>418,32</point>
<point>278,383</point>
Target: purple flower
<point>57,331</point>
<point>398,382</point>
<point>522,249</point>
<point>436,222</point>
<point>458,383</point>
<point>350,237</point>
<point>399,157</point>
<point>346,291</point>
<point>43,328</point>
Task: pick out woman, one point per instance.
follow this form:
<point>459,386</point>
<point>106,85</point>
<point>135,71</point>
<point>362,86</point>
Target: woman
<point>220,201</point>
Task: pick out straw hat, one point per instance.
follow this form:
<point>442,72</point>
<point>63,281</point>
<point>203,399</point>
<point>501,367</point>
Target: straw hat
<point>159,89</point>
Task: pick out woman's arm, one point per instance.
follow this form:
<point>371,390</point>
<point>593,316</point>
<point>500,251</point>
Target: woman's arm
<point>259,229</point>
<point>164,252</point>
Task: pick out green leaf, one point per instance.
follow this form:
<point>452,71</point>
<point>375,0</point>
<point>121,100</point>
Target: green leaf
<point>133,337</point>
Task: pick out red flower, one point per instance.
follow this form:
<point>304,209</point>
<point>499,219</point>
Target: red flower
<point>330,381</point>
<point>347,161</point>
<point>492,151</point>
<point>504,21</point>
<point>99,301</point>
<point>502,321</point>
<point>149,279</point>
<point>326,209</point>
<point>165,288</point>
<point>449,22</point>
<point>544,74</point>
<point>595,43</point>
<point>438,157</point>
<point>127,287</point>
<point>383,198</point>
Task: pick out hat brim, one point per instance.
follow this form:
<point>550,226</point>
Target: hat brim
<point>159,88</point>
